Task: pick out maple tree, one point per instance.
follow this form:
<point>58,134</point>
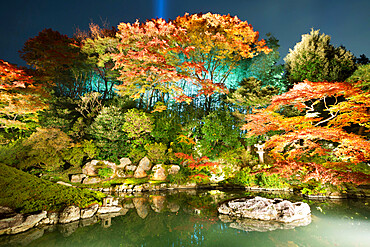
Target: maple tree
<point>199,50</point>
<point>99,44</point>
<point>220,42</point>
<point>58,62</point>
<point>148,59</point>
<point>316,144</point>
<point>20,96</point>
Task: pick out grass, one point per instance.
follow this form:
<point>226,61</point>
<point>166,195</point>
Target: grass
<point>26,193</point>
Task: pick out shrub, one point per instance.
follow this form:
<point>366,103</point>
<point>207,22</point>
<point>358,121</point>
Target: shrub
<point>156,152</point>
<point>220,132</point>
<point>108,134</point>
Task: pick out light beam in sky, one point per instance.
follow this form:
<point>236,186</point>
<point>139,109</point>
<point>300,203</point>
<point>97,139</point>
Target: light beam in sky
<point>160,8</point>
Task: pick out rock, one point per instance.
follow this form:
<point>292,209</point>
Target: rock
<point>53,217</point>
<point>143,167</point>
<point>158,203</point>
<point>64,183</point>
<point>140,173</point>
<point>91,168</point>
<point>69,214</point>
<point>131,168</point>
<point>20,223</point>
<point>266,209</point>
<point>91,180</point>
<point>141,207</point>
<point>77,178</point>
<point>112,209</point>
<point>6,211</point>
<point>174,169</point>
<point>159,173</point>
<point>121,173</point>
<point>124,162</point>
<point>89,212</point>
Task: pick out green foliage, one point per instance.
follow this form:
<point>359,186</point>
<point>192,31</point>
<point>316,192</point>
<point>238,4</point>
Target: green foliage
<point>46,147</point>
<point>26,193</point>
<point>244,177</point>
<point>79,152</point>
<point>108,134</point>
<point>156,152</point>
<point>362,74</point>
<point>167,126</point>
<point>315,59</point>
<point>239,157</point>
<point>220,132</point>
<point>313,187</point>
<point>261,179</point>
<point>136,154</point>
<point>137,123</point>
<point>270,181</point>
<point>105,172</point>
<point>251,93</point>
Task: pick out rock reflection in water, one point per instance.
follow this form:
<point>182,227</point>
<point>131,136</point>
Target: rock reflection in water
<point>250,225</point>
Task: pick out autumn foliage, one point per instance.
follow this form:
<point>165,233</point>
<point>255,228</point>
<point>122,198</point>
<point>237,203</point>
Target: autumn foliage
<point>19,95</point>
<point>314,143</point>
<point>200,50</point>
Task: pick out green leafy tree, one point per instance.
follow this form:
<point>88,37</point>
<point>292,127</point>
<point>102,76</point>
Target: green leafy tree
<point>315,59</point>
<point>219,132</point>
<point>107,131</point>
<point>251,93</point>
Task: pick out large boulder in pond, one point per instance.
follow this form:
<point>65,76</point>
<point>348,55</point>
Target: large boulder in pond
<point>92,168</point>
<point>260,208</point>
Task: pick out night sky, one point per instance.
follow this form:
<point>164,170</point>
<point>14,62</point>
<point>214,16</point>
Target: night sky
<point>346,21</point>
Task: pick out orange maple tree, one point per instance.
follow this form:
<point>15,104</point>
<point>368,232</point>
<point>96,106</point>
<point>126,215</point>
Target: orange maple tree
<point>200,50</point>
<point>315,143</point>
<point>19,95</point>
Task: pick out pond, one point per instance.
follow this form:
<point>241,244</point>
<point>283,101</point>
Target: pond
<point>190,218</point>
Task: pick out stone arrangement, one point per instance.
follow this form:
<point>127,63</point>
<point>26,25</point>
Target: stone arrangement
<point>13,223</point>
<point>125,169</point>
<point>270,214</point>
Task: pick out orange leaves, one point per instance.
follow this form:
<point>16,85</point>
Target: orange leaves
<point>307,90</point>
<point>194,49</point>
<point>317,145</point>
<point>18,95</point>
<point>12,77</point>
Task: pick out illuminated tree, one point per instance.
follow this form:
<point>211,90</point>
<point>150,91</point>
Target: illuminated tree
<point>199,50</point>
<point>220,42</point>
<point>99,45</point>
<point>318,147</point>
<point>148,59</point>
<point>315,59</point>
<point>20,96</point>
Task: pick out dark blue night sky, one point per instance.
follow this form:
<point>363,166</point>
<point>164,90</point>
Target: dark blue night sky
<point>346,21</point>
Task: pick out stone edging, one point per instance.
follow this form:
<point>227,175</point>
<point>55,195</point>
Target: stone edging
<point>18,223</point>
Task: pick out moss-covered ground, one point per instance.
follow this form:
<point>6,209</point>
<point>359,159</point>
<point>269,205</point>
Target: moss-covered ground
<point>27,193</point>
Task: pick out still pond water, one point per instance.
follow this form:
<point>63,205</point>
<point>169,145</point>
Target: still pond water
<point>190,218</point>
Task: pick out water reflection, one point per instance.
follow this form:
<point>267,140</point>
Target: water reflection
<point>190,218</point>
